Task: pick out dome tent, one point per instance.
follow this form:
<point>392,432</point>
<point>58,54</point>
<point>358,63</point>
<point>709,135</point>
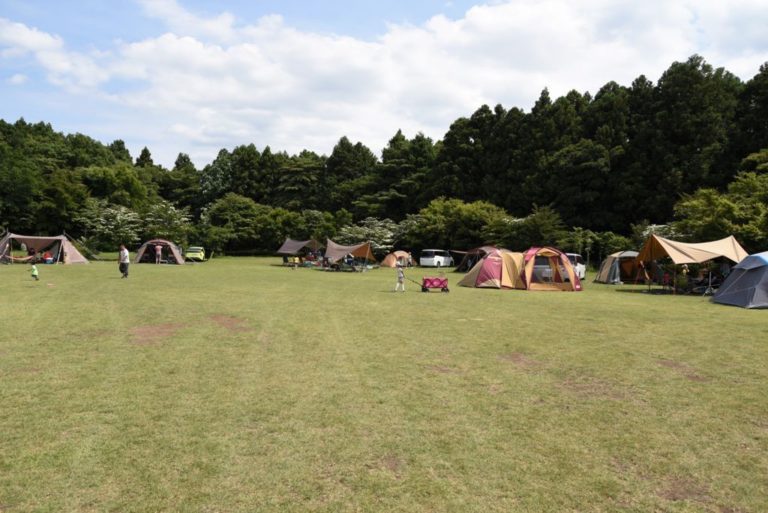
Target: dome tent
<point>498,269</point>
<point>747,283</point>
<point>170,249</point>
<point>618,267</point>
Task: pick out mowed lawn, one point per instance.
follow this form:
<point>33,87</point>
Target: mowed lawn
<point>239,386</point>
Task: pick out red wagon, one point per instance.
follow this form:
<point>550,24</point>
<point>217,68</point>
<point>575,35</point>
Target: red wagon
<point>430,282</point>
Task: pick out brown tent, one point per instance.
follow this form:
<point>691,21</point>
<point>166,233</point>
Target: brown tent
<point>691,253</point>
<point>60,247</point>
<point>335,252</point>
<point>173,255</point>
<point>294,247</point>
<point>393,258</point>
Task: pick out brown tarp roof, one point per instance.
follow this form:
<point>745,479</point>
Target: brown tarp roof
<point>293,247</point>
<point>335,252</point>
<point>69,253</point>
<point>691,253</point>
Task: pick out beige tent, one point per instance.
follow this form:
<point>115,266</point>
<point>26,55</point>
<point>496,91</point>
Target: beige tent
<point>393,258</point>
<point>60,248</point>
<point>498,269</point>
<point>691,253</point>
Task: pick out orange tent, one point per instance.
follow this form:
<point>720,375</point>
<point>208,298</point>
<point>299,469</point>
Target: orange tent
<point>393,258</point>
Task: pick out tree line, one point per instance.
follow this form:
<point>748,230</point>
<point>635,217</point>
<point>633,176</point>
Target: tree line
<point>590,173</point>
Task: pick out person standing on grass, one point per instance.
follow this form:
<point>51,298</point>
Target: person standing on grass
<point>158,254</point>
<point>34,272</point>
<point>400,277</point>
<point>123,259</point>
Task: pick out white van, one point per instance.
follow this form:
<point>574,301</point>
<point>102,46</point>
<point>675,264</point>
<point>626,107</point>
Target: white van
<point>435,258</point>
<point>577,261</point>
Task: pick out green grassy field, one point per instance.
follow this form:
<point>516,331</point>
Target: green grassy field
<point>238,386</point>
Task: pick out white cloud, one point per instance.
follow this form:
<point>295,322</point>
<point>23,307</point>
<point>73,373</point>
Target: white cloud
<point>210,83</point>
<point>17,79</point>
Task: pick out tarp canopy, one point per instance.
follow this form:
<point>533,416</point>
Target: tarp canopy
<point>61,248</point>
<point>472,256</point>
<point>557,272</point>
<point>173,255</point>
<point>392,259</point>
<point>618,267</point>
<point>498,269</point>
<point>747,283</point>
<point>294,247</point>
<point>691,253</point>
<point>335,252</point>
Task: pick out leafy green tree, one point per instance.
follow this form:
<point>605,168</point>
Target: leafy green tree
<point>449,224</point>
<point>119,184</point>
<point>120,152</point>
<point>543,227</point>
<point>216,177</point>
<point>105,226</point>
<point>297,182</point>
<point>347,171</point>
<point>163,220</point>
<point>742,211</point>
<point>317,225</point>
<point>379,232</point>
<point>607,243</point>
<point>578,240</point>
<point>577,179</point>
<point>230,222</point>
<point>752,115</point>
<point>181,185</point>
<point>145,158</point>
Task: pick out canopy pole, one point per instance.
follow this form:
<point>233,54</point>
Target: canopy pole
<point>61,248</point>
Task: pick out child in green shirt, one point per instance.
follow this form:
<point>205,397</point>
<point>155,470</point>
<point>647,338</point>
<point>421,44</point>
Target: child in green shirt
<point>34,272</point>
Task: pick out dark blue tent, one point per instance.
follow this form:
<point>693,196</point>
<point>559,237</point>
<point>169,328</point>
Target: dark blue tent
<point>747,284</point>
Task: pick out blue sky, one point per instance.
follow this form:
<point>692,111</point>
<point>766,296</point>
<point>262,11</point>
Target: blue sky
<point>193,76</point>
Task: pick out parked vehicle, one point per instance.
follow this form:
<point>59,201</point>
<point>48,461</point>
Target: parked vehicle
<point>195,253</point>
<point>543,271</point>
<point>577,261</point>
<point>435,258</point>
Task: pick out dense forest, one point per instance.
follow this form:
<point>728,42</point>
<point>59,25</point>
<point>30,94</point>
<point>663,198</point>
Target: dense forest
<point>687,155</point>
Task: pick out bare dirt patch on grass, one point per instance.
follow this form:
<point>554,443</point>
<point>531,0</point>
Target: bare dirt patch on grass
<point>595,388</point>
<point>231,324</point>
<point>521,361</point>
<point>153,333</point>
<point>684,489</point>
<point>442,369</point>
<point>683,369</point>
<point>391,463</point>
